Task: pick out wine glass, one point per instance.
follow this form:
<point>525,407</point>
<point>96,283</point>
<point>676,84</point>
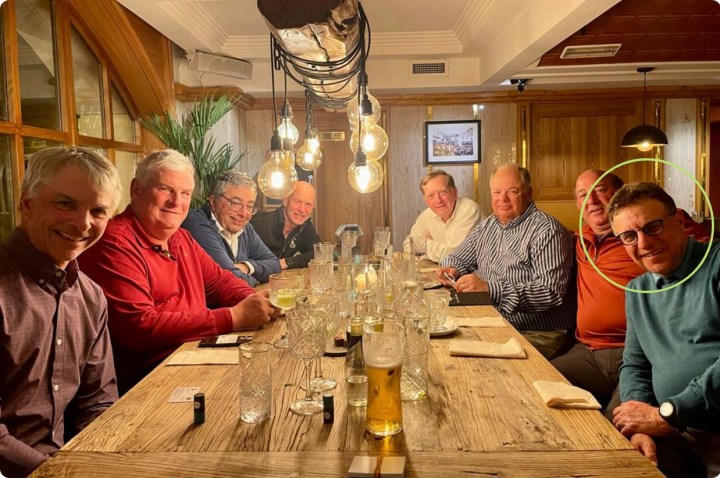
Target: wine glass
<point>284,289</point>
<point>306,334</point>
<point>328,306</point>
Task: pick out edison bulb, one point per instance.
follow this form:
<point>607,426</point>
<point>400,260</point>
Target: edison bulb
<point>288,131</point>
<point>353,108</point>
<point>275,179</point>
<point>309,156</point>
<point>374,139</point>
<point>365,179</point>
<point>645,146</point>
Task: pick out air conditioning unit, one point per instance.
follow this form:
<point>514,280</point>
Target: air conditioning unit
<point>219,64</point>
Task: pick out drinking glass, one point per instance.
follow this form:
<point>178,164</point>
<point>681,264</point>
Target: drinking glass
<point>321,276</point>
<point>383,348</point>
<point>306,334</point>
<point>284,289</point>
<point>324,251</point>
<point>326,305</point>
<point>255,382</point>
<point>418,245</point>
<point>437,303</point>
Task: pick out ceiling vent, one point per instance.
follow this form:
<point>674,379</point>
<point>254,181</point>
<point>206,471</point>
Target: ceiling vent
<point>590,51</point>
<point>219,64</point>
<point>332,136</point>
<point>429,68</point>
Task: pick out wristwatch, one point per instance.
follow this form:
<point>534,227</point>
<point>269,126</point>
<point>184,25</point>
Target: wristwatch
<point>669,413</point>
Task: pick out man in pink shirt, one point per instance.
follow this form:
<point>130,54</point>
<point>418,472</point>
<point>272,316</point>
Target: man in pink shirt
<point>162,287</point>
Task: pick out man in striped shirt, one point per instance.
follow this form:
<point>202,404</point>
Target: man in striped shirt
<point>523,258</point>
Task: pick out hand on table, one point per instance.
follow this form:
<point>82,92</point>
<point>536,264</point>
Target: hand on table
<point>471,283</point>
<point>645,445</point>
<point>634,417</point>
<point>283,264</point>
<point>253,312</point>
<point>450,271</point>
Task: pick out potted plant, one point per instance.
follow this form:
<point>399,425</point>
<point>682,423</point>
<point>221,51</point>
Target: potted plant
<point>189,136</point>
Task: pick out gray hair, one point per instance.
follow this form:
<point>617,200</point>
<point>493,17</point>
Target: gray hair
<point>631,194</point>
<point>46,162</point>
<point>449,180</point>
<point>234,178</point>
<point>163,159</point>
<point>519,170</point>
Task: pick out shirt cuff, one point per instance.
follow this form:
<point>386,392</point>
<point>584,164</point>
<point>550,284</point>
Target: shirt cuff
<point>251,268</point>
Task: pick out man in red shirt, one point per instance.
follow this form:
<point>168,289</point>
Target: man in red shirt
<point>594,362</point>
<point>162,287</point>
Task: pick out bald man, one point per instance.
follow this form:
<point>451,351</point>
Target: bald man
<point>288,231</point>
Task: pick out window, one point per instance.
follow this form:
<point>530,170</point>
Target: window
<point>6,200</point>
<point>123,124</point>
<point>88,95</point>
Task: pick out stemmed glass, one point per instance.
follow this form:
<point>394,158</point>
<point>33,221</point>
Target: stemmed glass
<point>284,289</point>
<point>327,305</point>
<point>306,332</point>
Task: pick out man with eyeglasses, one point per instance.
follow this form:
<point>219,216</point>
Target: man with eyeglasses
<point>222,227</point>
<point>288,231</point>
<point>162,288</point>
<point>670,377</point>
<point>447,220</point>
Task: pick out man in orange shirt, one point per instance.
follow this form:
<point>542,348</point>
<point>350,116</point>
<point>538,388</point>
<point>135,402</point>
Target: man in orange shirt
<point>594,362</point>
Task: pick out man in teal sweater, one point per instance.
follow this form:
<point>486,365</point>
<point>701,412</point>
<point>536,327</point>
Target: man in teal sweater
<point>670,377</point>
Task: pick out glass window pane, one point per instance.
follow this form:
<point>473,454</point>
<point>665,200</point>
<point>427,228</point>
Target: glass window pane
<point>33,145</point>
<point>7,223</point>
<point>88,93</point>
<point>125,162</point>
<point>123,124</point>
<point>3,83</point>
<point>38,70</point>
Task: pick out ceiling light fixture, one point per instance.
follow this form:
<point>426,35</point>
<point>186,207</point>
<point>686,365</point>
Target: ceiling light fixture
<point>309,156</point>
<point>644,137</point>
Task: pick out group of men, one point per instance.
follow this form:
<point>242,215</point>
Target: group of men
<point>69,312</point>
<point>164,275</point>
<point>639,326</point>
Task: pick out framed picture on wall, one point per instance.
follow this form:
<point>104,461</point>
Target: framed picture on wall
<point>452,142</point>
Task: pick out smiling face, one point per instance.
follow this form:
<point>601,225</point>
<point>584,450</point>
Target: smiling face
<point>598,198</point>
<point>163,203</point>
<point>508,194</point>
<point>66,215</point>
<point>233,218</point>
<point>661,254</point>
<point>299,205</point>
<point>440,197</point>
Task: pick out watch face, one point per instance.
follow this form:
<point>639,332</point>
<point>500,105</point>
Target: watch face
<point>667,409</point>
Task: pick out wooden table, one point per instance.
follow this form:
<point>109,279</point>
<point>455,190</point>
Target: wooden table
<point>482,417</point>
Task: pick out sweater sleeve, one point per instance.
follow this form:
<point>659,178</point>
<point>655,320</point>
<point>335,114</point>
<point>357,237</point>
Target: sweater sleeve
<point>636,370</point>
<point>258,254</point>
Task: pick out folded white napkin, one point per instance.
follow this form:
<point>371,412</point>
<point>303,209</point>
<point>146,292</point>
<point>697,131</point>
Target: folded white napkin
<point>474,348</point>
<point>563,395</point>
<point>479,321</point>
<point>227,356</point>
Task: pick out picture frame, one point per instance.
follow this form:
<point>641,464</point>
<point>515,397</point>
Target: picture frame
<point>452,142</point>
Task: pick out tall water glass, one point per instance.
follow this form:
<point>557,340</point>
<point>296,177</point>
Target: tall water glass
<point>437,303</point>
<point>255,382</point>
<point>324,251</point>
<point>383,348</point>
<point>321,276</point>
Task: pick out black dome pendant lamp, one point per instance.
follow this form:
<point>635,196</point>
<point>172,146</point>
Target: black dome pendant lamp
<point>644,137</point>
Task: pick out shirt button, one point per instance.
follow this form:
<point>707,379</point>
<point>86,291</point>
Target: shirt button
<point>58,274</point>
<point>56,387</point>
<point>59,341</point>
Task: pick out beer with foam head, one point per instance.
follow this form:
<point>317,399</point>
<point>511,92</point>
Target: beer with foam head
<point>383,349</point>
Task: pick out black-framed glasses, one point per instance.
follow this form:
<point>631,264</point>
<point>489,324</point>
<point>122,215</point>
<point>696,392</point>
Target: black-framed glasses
<point>652,228</point>
<point>240,206</point>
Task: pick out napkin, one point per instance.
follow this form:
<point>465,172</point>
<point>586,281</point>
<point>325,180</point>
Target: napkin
<point>474,348</point>
<point>479,321</point>
<point>428,269</point>
<point>563,395</point>
<point>227,356</point>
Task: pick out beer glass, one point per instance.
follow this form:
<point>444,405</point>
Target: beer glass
<point>383,348</point>
<point>284,289</point>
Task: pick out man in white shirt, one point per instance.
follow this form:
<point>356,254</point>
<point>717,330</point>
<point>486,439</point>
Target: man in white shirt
<point>447,220</point>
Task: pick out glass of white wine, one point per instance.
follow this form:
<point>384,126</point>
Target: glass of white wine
<point>284,289</point>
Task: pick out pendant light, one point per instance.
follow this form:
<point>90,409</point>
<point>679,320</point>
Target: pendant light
<point>644,137</point>
<point>309,156</point>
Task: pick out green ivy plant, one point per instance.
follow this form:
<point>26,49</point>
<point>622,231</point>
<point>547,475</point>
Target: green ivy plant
<point>189,136</point>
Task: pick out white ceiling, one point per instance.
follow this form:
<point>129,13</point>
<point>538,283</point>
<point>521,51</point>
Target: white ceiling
<point>485,42</point>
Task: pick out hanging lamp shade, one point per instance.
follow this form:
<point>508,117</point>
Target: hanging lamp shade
<point>644,137</point>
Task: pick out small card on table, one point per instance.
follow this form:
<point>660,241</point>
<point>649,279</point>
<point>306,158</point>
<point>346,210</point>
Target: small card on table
<point>374,466</point>
<point>183,394</point>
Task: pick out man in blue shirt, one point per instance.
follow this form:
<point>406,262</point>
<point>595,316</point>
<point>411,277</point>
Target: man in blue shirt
<point>670,377</point>
<point>222,227</point>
